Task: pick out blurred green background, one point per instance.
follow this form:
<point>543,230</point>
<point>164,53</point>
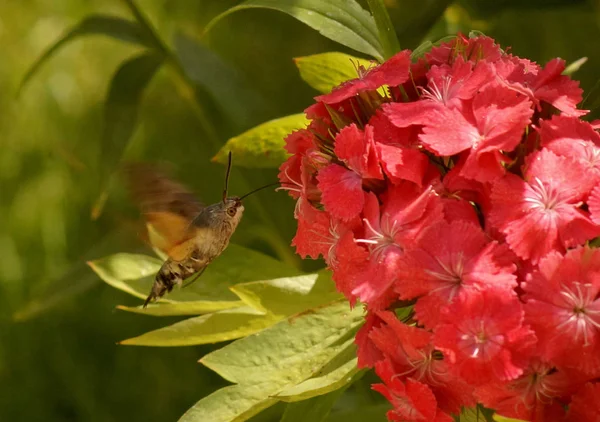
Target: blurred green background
<point>58,354</point>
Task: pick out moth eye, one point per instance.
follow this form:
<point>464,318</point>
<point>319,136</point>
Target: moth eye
<point>231,211</point>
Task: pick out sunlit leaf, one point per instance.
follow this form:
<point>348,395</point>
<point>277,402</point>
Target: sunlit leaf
<point>197,307</point>
<point>287,295</point>
<point>127,272</point>
<point>265,363</point>
<point>268,302</point>
<point>575,66</point>
<point>300,345</point>
<point>343,21</point>
<point>338,373</point>
<point>110,26</point>
<point>135,274</point>
<point>219,326</point>
<point>262,146</point>
<point>325,71</point>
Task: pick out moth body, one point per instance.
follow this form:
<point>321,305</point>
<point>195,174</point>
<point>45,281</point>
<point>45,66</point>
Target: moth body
<point>210,232</point>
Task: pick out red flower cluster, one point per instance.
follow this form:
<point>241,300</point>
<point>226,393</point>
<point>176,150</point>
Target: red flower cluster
<point>460,192</point>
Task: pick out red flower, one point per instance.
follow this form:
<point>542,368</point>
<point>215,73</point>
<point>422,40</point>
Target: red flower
<point>448,258</point>
<point>412,401</point>
<point>574,138</point>
<point>412,354</point>
<point>564,309</point>
<point>388,231</point>
<point>594,205</point>
<point>368,353</point>
<point>541,213</point>
<point>483,336</point>
<point>585,405</point>
<point>393,72</point>
<point>538,395</point>
<point>341,188</point>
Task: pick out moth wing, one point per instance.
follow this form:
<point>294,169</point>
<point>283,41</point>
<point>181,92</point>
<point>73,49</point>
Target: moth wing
<point>168,207</point>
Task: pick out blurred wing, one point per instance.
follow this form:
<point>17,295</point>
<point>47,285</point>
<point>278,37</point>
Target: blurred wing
<point>169,208</point>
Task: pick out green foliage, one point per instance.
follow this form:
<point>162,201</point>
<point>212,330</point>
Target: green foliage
<point>106,25</point>
<point>266,363</point>
<point>327,70</point>
<point>262,146</point>
<point>344,21</point>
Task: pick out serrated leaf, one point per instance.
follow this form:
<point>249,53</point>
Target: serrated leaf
<point>233,94</point>
<point>267,303</point>
<point>111,26</point>
<point>343,21</point>
<point>315,409</point>
<point>262,146</point>
<point>236,264</point>
<point>325,71</point>
<point>293,348</point>
<point>338,373</point>
<point>269,361</point>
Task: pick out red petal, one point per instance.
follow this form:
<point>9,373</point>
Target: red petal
<point>342,196</point>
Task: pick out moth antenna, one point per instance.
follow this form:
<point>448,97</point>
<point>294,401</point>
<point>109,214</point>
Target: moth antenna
<point>263,187</point>
<point>227,177</point>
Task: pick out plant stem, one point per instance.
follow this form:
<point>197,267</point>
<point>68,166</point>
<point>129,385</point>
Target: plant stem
<point>387,34</point>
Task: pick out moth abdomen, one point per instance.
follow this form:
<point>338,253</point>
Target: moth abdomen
<point>171,274</point>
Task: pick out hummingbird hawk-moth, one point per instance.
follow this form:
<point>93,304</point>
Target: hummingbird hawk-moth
<point>191,234</point>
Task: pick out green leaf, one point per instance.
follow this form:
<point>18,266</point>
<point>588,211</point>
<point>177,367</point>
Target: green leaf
<point>262,146</point>
<point>233,94</point>
<point>325,71</point>
<point>475,414</point>
<point>387,33</point>
<point>267,303</point>
<point>288,295</point>
<point>265,363</point>
<point>315,409</point>
<point>134,274</point>
<point>575,66</point>
<point>196,307</point>
<point>235,403</point>
<point>219,326</point>
<point>292,349</point>
<point>122,104</point>
<point>111,26</point>
<point>343,21</point>
<point>126,271</point>
<point>339,372</point>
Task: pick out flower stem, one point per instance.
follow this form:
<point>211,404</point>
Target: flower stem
<point>387,34</point>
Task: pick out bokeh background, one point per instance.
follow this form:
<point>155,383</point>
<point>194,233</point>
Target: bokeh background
<point>59,360</point>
